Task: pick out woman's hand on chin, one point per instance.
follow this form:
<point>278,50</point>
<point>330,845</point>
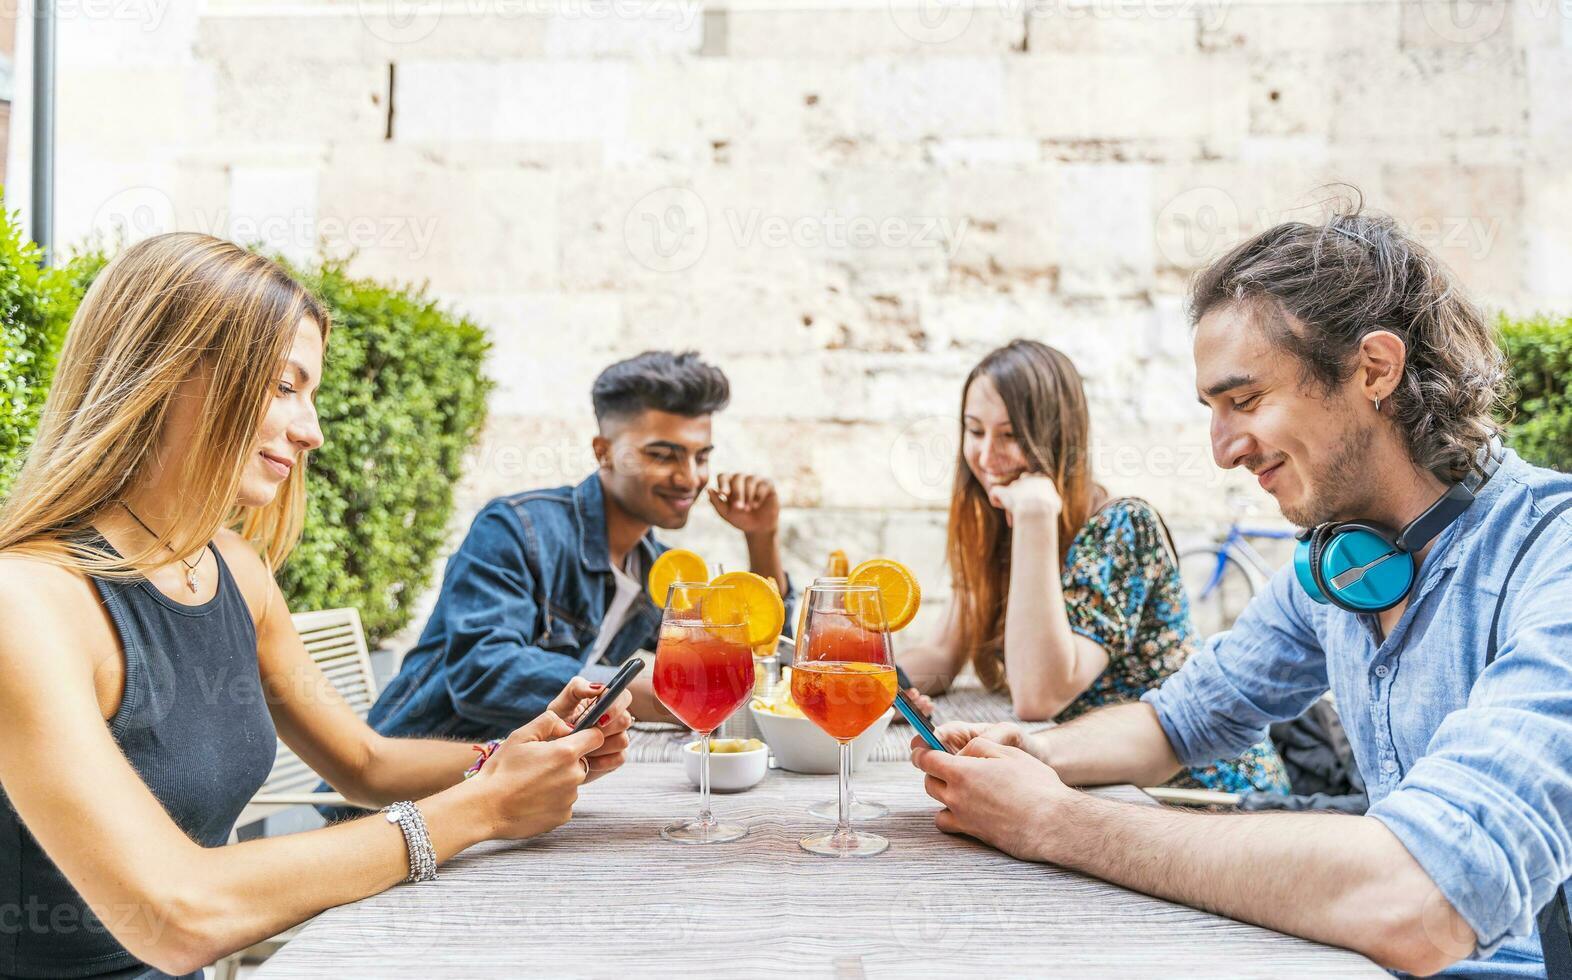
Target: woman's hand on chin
<point>1028,495</point>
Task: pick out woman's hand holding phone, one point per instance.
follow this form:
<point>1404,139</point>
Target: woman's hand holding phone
<point>530,783</point>
<point>576,702</point>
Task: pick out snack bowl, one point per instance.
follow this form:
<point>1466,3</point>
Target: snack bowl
<point>801,746</point>
<point>730,772</point>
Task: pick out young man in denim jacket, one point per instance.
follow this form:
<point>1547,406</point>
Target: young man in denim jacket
<point>549,584</point>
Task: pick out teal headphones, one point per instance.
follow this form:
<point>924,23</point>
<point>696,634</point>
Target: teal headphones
<point>1365,567</point>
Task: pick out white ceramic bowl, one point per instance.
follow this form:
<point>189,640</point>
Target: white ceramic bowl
<point>730,772</point>
<point>802,746</point>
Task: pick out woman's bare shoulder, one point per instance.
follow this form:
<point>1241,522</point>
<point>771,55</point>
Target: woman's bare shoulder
<point>44,605</point>
<point>249,570</point>
<point>31,587</point>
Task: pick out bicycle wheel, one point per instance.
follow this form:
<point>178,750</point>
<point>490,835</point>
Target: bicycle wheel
<point>1219,588</point>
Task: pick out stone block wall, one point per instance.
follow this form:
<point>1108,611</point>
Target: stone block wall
<point>845,204</point>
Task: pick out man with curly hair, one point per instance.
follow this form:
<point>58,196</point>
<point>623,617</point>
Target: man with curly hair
<point>1345,369</point>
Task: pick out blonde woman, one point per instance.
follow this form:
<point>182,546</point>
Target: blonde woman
<point>147,657</point>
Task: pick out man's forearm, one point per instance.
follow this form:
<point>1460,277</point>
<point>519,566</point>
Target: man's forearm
<point>1336,879</point>
<point>764,557</point>
<point>1121,744</point>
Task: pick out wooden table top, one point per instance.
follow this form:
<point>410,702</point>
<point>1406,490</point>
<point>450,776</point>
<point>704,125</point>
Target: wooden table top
<point>605,896</point>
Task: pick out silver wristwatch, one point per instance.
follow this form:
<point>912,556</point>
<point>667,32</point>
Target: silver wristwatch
<point>422,856</point>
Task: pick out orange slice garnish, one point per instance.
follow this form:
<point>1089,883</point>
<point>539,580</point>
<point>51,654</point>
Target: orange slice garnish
<point>749,600</point>
<point>899,594</point>
<point>676,565</point>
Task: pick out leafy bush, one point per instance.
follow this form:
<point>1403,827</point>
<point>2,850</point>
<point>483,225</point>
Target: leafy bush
<point>402,400</point>
<point>35,307</point>
<point>1539,351</point>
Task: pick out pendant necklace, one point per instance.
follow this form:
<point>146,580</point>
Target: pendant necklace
<point>191,567</point>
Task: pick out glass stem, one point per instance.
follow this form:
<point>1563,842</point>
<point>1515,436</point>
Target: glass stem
<point>843,822</point>
<point>705,817</point>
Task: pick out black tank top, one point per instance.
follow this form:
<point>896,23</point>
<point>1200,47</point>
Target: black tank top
<point>195,726</point>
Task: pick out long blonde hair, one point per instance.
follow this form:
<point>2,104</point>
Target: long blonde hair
<point>1046,401</point>
<point>167,309</point>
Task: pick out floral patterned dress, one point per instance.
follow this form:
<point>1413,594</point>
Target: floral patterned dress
<point>1122,590</point>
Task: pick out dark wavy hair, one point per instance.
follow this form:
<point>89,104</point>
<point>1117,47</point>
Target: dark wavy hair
<point>1317,290</point>
<point>681,384</point>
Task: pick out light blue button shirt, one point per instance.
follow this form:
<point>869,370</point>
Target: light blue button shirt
<point>1471,768</point>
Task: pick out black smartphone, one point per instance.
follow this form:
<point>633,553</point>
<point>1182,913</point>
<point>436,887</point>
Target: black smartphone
<point>623,678</point>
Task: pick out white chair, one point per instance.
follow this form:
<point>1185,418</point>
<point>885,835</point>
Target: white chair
<point>337,644</point>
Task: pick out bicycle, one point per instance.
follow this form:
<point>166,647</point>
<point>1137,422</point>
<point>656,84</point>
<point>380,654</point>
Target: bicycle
<point>1222,578</point>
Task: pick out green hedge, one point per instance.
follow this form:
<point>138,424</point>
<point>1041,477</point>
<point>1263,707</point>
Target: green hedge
<point>1539,350</point>
<point>35,308</point>
<point>402,400</point>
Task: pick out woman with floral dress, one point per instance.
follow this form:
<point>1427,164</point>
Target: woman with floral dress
<point>1063,596</point>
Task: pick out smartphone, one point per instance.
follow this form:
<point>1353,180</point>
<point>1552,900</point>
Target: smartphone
<point>618,683</point>
<point>918,721</point>
<point>905,684</point>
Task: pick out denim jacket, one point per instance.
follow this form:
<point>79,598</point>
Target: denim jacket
<point>521,605</point>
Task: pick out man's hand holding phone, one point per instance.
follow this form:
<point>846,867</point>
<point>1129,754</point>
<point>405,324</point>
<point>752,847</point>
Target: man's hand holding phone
<point>956,735</point>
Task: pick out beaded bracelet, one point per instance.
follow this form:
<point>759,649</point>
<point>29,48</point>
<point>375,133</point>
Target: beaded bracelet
<point>422,856</point>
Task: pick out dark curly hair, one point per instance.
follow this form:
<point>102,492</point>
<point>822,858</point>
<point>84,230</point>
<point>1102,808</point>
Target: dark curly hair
<point>681,384</point>
<point>1317,290</point>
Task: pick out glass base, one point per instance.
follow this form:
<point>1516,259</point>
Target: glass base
<point>850,843</point>
<point>830,810</point>
<point>697,832</point>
